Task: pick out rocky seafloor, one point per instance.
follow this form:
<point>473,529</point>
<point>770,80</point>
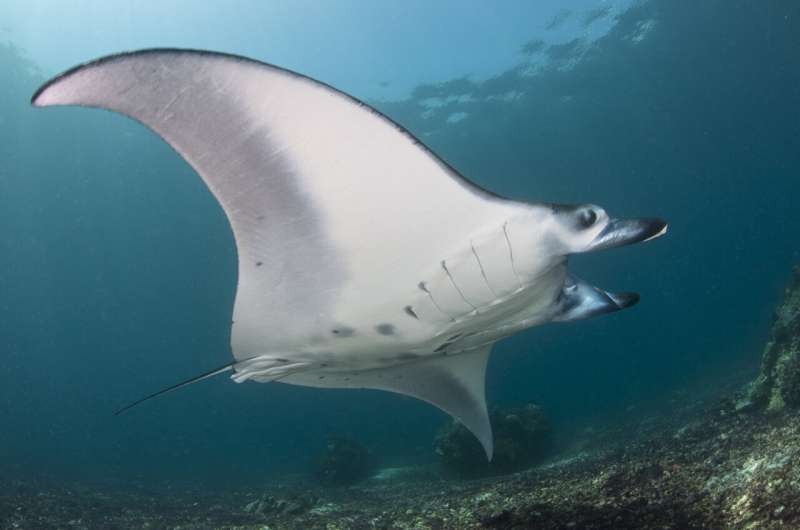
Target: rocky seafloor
<point>707,465</point>
<point>728,459</point>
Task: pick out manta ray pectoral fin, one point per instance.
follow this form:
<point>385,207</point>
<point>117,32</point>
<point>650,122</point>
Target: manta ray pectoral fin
<point>318,186</point>
<point>455,384</point>
<point>579,300</point>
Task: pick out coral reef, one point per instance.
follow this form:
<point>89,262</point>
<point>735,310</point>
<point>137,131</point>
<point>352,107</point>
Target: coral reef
<point>521,437</point>
<point>344,462</point>
<point>778,383</point>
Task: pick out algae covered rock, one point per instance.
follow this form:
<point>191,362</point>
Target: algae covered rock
<point>521,437</point>
<point>778,384</point>
<point>344,461</point>
<point>269,505</point>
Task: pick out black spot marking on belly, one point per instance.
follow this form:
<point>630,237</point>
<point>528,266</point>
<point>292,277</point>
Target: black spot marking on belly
<point>385,329</point>
<point>282,360</point>
<point>410,311</point>
<point>259,263</point>
<point>343,332</point>
<point>322,377</point>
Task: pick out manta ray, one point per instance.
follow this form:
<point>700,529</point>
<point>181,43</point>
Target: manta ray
<point>364,259</point>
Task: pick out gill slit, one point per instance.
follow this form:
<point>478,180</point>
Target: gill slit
<point>480,265</point>
<point>452,281</point>
<point>511,253</point>
<point>433,300</point>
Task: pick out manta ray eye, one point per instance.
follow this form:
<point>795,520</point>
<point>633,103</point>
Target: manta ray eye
<point>587,217</point>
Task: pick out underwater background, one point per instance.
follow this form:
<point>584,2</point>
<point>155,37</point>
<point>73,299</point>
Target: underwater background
<point>118,268</point>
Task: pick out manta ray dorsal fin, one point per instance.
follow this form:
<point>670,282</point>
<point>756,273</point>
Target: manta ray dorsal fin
<point>318,187</point>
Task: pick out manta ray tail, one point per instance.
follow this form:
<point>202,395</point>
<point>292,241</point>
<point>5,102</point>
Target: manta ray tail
<point>206,375</point>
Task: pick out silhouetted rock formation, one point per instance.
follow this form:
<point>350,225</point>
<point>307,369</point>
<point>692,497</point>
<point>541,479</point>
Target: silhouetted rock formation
<point>521,437</point>
<point>778,384</point>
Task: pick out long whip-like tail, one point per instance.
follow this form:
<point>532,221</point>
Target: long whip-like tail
<point>206,375</point>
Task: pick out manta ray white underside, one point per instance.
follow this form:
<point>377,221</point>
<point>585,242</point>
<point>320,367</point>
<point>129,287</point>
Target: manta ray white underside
<point>364,260</point>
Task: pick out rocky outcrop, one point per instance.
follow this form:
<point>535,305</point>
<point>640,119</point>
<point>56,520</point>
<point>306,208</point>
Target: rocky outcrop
<point>778,383</point>
<point>521,437</point>
<point>344,462</point>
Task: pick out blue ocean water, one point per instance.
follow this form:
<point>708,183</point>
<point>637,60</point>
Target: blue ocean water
<point>118,268</point>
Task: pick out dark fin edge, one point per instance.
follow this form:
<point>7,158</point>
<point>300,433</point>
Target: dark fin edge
<point>450,170</point>
<point>206,375</point>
